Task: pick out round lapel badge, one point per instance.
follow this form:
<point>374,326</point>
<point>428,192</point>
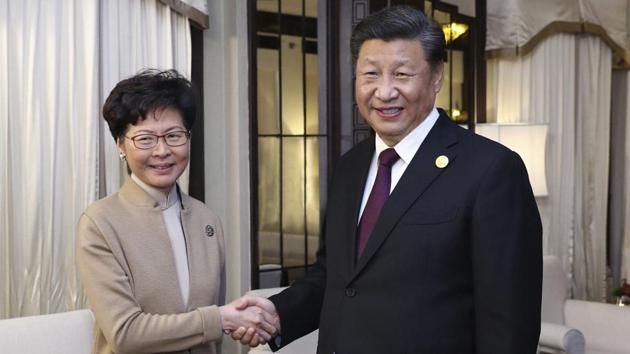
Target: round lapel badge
<point>441,161</point>
<point>209,230</point>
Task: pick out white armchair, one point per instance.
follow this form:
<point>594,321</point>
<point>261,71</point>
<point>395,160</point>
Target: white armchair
<point>556,338</point>
<point>304,345</point>
<point>59,333</point>
<point>576,326</point>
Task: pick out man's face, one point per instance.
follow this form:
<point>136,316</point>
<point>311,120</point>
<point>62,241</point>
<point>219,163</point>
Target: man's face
<point>395,86</point>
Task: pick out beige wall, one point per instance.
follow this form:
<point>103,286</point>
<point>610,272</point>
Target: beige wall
<point>227,137</point>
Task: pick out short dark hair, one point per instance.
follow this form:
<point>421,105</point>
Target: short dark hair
<point>133,98</point>
<point>401,22</point>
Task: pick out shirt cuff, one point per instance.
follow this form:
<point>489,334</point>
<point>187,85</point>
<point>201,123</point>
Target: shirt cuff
<point>211,323</point>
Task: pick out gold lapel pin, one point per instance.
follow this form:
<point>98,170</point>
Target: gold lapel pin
<point>441,161</point>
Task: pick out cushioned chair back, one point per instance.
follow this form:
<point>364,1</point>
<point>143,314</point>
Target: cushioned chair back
<point>605,326</point>
<point>60,333</point>
<point>554,290</point>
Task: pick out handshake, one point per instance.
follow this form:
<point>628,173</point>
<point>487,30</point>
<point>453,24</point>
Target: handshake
<point>252,320</point>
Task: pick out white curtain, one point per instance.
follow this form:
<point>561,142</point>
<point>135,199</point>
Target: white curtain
<point>619,249</point>
<point>137,35</point>
<point>49,144</point>
<point>565,82</point>
<point>516,25</point>
<point>56,67</point>
<point>594,72</point>
<point>625,253</point>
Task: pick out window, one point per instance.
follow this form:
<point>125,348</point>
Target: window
<point>457,94</point>
<point>289,140</point>
<point>293,146</point>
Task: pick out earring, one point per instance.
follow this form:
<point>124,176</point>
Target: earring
<point>122,156</point>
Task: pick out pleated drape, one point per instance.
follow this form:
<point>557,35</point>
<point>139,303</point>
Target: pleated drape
<point>594,73</point>
<point>619,248</point>
<point>137,35</point>
<point>565,82</point>
<point>49,145</point>
<point>59,59</point>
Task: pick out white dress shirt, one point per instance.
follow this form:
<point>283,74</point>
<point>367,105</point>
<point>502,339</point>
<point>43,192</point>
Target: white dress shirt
<point>406,150</point>
<point>171,209</point>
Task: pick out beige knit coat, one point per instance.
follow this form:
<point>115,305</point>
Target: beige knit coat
<point>127,268</point>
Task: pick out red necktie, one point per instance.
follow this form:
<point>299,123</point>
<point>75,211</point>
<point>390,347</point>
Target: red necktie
<point>378,196</point>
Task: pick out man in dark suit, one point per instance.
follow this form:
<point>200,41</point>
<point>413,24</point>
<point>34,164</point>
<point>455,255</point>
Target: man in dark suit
<point>432,239</point>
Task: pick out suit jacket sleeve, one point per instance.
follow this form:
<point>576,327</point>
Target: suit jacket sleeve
<point>299,306</point>
<point>506,260</point>
<point>127,328</point>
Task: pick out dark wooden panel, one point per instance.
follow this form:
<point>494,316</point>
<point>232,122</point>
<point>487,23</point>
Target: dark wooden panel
<point>292,25</point>
<point>197,185</point>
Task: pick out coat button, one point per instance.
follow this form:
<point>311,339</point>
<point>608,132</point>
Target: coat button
<point>351,292</point>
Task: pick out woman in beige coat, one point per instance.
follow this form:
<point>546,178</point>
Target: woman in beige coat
<point>150,257</point>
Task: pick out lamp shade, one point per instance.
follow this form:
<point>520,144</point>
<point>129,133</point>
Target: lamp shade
<point>529,141</point>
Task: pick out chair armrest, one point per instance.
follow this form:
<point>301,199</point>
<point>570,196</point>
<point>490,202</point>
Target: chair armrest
<point>58,333</point>
<point>265,292</point>
<point>605,326</point>
<point>261,349</point>
<point>555,336</point>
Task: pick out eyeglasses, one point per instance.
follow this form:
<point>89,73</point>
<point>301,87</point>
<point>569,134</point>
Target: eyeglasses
<point>148,141</point>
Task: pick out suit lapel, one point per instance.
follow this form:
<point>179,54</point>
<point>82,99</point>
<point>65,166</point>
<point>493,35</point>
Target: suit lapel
<point>418,176</point>
<point>355,178</point>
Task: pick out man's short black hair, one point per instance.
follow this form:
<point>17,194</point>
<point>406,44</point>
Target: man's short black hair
<point>401,22</point>
<point>149,90</point>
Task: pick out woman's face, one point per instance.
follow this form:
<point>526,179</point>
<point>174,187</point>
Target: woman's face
<point>160,165</point>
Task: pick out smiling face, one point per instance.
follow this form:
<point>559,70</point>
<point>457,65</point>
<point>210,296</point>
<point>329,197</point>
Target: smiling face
<point>395,86</point>
<point>161,165</point>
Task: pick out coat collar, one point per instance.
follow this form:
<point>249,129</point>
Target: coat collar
<point>134,194</point>
<point>165,200</point>
<point>418,176</point>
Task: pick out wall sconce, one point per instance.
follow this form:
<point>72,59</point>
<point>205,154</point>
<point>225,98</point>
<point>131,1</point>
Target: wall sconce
<point>455,114</point>
<point>453,30</point>
<point>529,141</point>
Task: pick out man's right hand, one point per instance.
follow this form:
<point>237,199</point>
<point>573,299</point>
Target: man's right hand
<point>252,320</point>
<point>248,335</point>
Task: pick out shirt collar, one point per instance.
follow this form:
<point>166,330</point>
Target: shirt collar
<point>409,145</point>
<point>165,201</point>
